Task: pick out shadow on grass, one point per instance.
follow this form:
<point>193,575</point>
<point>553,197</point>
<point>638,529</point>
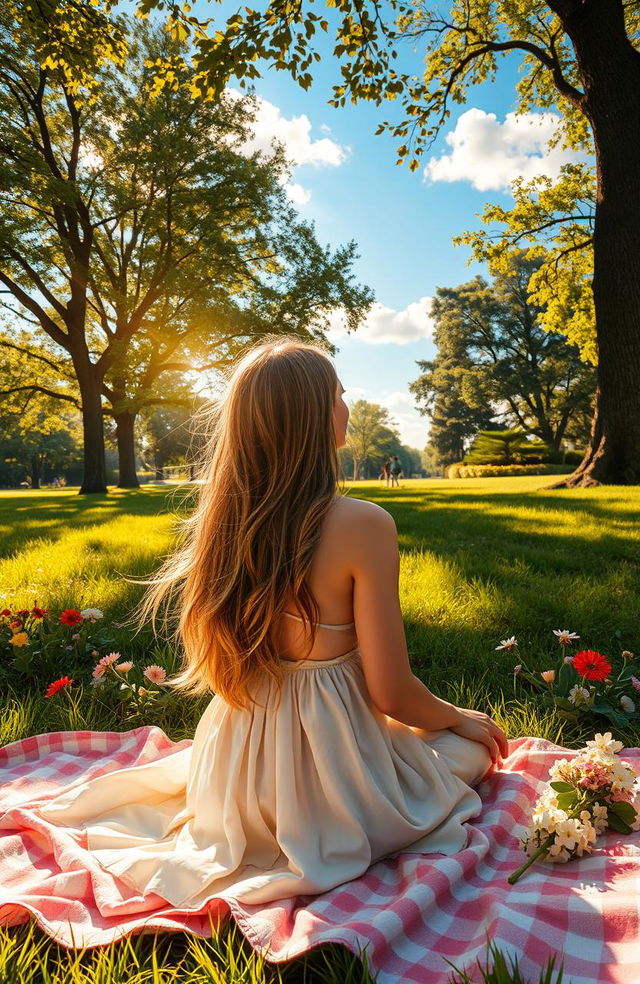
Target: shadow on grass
<point>517,524</point>
<point>29,516</point>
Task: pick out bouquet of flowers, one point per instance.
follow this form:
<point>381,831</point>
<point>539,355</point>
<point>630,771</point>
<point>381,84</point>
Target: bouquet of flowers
<point>586,795</point>
<point>585,684</point>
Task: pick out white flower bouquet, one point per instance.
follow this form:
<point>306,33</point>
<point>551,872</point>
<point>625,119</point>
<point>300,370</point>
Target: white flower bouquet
<point>586,795</point>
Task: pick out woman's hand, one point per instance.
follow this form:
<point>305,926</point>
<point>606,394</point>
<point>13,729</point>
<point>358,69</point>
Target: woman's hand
<point>480,727</point>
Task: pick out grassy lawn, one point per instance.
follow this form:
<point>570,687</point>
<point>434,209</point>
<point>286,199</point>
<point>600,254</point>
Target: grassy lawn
<point>482,559</point>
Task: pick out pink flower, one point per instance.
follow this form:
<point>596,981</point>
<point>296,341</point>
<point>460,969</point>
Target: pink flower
<point>635,683</point>
<point>101,668</point>
<point>124,667</point>
<point>569,660</point>
<point>595,776</point>
<point>155,673</point>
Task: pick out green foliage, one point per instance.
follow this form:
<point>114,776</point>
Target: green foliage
<point>556,220</point>
<point>495,361</point>
<point>460,470</point>
<point>72,39</point>
<point>504,447</point>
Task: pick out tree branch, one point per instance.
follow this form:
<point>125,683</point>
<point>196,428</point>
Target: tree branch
<point>47,323</point>
<point>4,343</point>
<point>45,391</point>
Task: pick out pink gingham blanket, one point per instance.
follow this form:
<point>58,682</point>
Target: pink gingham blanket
<point>408,915</point>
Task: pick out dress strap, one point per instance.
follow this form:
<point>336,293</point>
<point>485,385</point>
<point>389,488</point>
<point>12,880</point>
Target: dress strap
<point>323,625</point>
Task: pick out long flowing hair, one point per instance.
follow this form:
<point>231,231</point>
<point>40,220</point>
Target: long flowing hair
<point>268,477</point>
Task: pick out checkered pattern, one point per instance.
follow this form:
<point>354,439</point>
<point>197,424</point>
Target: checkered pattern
<point>408,915</point>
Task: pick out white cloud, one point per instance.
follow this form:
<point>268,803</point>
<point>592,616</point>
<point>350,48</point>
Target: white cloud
<point>413,427</point>
<point>294,134</point>
<point>384,325</point>
<point>297,194</point>
<point>490,154</point>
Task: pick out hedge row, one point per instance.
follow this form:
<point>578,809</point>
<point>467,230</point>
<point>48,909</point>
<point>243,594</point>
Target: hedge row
<point>460,470</point>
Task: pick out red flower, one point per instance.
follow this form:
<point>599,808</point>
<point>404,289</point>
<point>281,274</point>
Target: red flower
<point>591,665</point>
<point>23,612</point>
<point>39,612</point>
<point>57,685</point>
<point>15,625</point>
<point>71,616</point>
<point>6,612</point>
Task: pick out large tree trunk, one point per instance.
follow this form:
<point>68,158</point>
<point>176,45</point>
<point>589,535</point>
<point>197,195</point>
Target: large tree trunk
<point>610,70</point>
<point>35,472</point>
<point>127,476</point>
<point>95,474</point>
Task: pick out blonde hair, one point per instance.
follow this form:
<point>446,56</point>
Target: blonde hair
<point>269,476</point>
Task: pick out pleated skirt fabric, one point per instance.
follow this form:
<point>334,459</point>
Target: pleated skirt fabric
<point>270,803</point>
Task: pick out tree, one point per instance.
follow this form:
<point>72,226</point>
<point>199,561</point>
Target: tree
<point>453,422</point>
<point>556,219</point>
<point>140,237</point>
<point>370,434</point>
<point>496,362</point>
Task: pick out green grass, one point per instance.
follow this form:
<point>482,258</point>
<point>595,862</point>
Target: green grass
<point>482,559</point>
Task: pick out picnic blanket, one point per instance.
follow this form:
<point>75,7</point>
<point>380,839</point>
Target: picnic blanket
<point>408,915</point>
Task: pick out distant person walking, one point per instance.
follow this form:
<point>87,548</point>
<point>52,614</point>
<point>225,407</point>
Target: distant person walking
<point>395,469</point>
<point>385,473</point>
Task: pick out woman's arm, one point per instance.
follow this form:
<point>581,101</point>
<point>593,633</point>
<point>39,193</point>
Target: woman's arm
<point>394,689</point>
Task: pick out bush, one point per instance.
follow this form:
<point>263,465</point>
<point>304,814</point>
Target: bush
<point>573,457</point>
<point>460,470</point>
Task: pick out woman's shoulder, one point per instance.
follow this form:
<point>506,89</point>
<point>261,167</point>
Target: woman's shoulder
<point>350,516</point>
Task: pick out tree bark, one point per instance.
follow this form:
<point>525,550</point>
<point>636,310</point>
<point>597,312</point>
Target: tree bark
<point>35,472</point>
<point>610,69</point>
<point>127,476</point>
<point>95,474</point>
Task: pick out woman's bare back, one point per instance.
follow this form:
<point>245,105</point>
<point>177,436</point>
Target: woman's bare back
<point>331,583</point>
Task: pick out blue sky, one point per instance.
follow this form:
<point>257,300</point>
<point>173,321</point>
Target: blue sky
<point>347,182</point>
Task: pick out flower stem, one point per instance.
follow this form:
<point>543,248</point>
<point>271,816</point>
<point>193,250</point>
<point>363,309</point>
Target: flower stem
<point>544,847</point>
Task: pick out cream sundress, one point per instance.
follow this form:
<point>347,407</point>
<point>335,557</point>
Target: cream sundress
<point>266,804</point>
